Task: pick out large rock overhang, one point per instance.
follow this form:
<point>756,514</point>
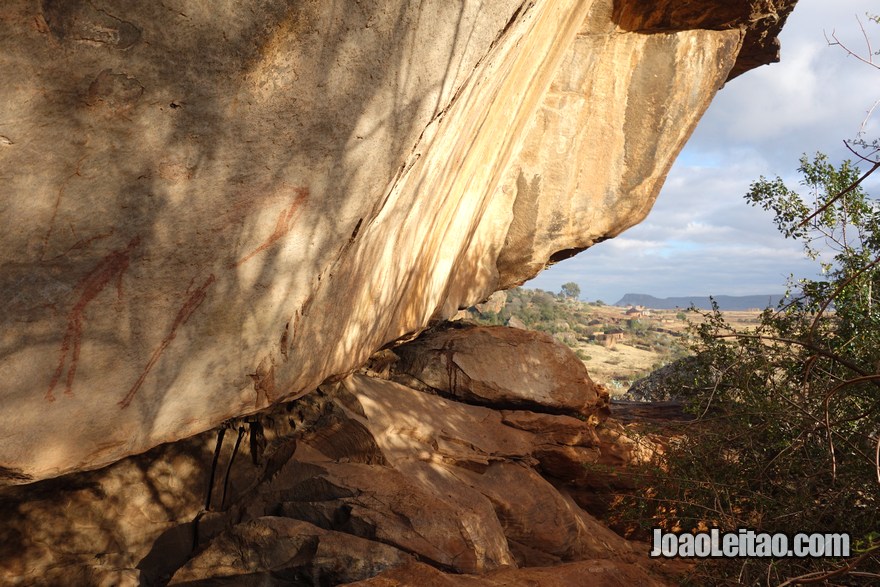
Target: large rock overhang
<point>210,207</point>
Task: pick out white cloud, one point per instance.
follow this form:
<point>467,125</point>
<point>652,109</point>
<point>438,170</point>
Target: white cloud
<point>773,101</point>
<point>631,246</point>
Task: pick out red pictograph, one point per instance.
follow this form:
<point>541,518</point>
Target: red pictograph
<point>283,225</point>
<point>111,267</point>
<point>193,301</point>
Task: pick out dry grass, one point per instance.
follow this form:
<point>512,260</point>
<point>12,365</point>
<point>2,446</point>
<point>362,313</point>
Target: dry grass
<point>616,367</point>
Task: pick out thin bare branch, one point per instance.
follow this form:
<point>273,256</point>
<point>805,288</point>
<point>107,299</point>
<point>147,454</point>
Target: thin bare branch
<point>853,151</point>
<point>821,576</point>
<point>867,117</point>
<point>826,409</point>
<point>830,437</point>
<point>836,293</point>
<point>868,61</point>
<point>877,458</point>
<point>807,414</point>
<point>870,52</point>
<point>840,194</point>
<point>805,344</point>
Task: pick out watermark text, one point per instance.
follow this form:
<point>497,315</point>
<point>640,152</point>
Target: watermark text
<point>747,544</point>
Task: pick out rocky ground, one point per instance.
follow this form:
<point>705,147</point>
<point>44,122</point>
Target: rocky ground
<point>463,458</point>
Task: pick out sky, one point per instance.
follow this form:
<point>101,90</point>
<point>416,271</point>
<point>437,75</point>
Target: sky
<point>702,238</point>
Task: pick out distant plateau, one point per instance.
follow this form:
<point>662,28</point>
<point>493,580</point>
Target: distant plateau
<point>702,302</point>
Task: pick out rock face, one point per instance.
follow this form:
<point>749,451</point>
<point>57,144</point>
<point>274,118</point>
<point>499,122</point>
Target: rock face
<point>363,480</point>
<point>213,207</point>
<point>463,361</point>
<point>276,550</point>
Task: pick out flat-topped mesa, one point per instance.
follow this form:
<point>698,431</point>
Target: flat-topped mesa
<point>211,208</point>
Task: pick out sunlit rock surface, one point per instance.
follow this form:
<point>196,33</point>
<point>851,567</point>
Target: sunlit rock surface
<point>463,361</point>
<point>210,207</point>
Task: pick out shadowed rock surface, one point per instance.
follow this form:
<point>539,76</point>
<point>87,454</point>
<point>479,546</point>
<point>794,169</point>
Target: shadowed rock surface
<point>213,207</point>
<point>598,573</point>
<point>672,382</point>
<point>358,478</point>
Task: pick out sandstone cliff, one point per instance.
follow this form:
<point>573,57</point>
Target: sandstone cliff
<point>211,207</point>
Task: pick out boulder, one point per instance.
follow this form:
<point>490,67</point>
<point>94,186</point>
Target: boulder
<point>604,573</point>
<point>542,526</point>
<point>675,381</point>
<point>210,209</point>
<point>552,428</point>
<point>444,523</point>
<point>412,426</point>
<point>272,550</point>
<point>540,373</point>
<point>494,304</point>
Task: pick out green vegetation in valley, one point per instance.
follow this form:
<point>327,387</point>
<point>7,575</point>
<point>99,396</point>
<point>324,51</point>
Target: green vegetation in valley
<point>642,342</point>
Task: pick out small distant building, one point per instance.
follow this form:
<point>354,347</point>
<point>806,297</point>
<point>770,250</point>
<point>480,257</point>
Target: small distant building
<point>609,338</point>
<point>634,312</point>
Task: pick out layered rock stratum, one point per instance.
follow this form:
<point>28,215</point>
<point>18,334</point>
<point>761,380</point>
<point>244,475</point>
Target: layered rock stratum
<point>213,207</point>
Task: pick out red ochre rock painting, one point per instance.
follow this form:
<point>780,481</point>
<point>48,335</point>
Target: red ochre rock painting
<point>283,225</point>
<point>193,301</point>
<point>111,267</point>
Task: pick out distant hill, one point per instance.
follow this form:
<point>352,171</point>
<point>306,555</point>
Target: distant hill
<point>724,302</point>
